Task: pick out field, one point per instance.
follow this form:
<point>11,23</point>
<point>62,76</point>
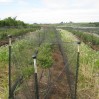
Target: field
<point>23,46</point>
<point>88,71</point>
<point>49,49</point>
<point>90,35</point>
<point>56,61</point>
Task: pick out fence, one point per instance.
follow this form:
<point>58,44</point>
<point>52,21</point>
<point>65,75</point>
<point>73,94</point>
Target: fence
<point>57,61</point>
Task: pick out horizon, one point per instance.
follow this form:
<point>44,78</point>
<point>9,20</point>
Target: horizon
<point>50,11</point>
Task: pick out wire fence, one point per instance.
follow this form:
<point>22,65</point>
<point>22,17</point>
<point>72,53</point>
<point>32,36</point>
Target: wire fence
<point>57,62</point>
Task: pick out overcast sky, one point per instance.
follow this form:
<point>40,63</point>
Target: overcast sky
<point>51,11</point>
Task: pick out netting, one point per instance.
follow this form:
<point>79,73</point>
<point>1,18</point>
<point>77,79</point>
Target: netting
<point>69,53</point>
<point>22,65</point>
<point>56,61</point>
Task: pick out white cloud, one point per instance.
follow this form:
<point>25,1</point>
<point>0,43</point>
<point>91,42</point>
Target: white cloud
<point>56,3</point>
<point>46,15</point>
<point>19,2</point>
<point>5,1</point>
<point>22,2</point>
<point>71,4</point>
<point>56,11</point>
<point>51,16</point>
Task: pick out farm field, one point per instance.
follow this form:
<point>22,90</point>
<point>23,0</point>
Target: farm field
<point>15,32</point>
<point>16,28</point>
<point>19,48</point>
<point>23,65</point>
<point>49,49</point>
<point>89,69</point>
<point>56,61</point>
<point>87,35</point>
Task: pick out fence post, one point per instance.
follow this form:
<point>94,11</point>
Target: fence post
<point>9,70</point>
<point>77,70</point>
<point>35,76</point>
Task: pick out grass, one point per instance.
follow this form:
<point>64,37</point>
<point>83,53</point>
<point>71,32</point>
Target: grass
<point>88,84</point>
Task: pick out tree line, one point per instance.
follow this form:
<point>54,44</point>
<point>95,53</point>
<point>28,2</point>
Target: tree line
<point>95,24</point>
<point>12,22</point>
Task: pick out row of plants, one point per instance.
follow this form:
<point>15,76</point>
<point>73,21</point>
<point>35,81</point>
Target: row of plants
<point>11,26</point>
<point>45,56</point>
<point>94,30</point>
<point>89,66</point>
<point>83,24</point>
<point>88,38</point>
<point>45,50</point>
<point>15,32</point>
<point>22,61</point>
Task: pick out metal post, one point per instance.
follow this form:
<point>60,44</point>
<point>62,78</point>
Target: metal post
<point>9,66</point>
<point>35,77</point>
<point>77,70</point>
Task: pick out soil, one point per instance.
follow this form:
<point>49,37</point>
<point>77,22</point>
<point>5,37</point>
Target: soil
<point>6,41</point>
<point>56,87</point>
<point>60,89</point>
<point>95,47</point>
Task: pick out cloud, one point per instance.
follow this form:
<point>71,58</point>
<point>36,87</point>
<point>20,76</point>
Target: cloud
<point>22,2</point>
<point>56,3</point>
<point>74,10</point>
<point>19,2</point>
<point>6,1</point>
<point>46,15</point>
<point>53,16</point>
<point>54,11</point>
<point>71,4</point>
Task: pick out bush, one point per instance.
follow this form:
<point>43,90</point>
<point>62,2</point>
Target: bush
<point>45,56</point>
<point>3,35</point>
<point>87,38</point>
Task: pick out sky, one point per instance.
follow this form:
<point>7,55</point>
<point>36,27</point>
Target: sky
<point>50,11</point>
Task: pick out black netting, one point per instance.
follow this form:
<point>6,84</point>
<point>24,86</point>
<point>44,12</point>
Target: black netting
<point>56,61</point>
